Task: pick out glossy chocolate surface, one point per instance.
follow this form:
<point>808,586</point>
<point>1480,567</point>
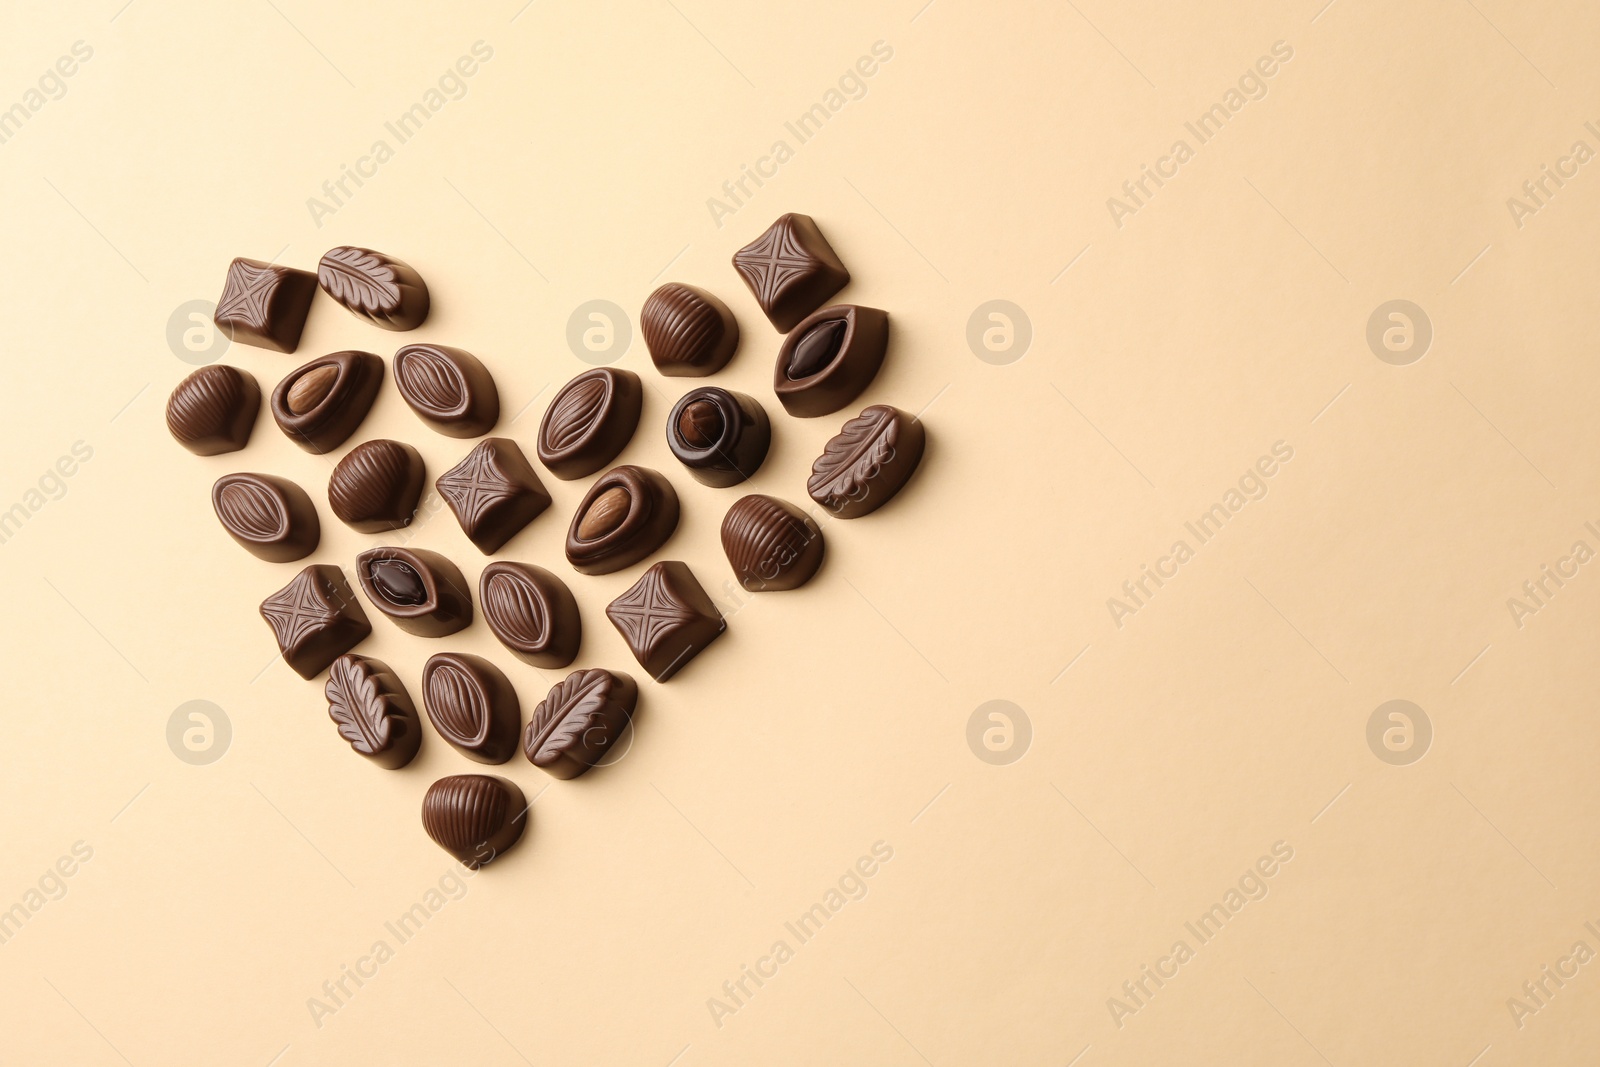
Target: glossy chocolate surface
<point>628,513</point>
<point>375,287</point>
<point>532,612</point>
<point>830,358</point>
<point>264,304</point>
<point>721,436</point>
<point>318,405</point>
<point>472,705</point>
<point>373,711</point>
<point>213,410</point>
<point>376,486</point>
<point>474,817</point>
<point>574,727</point>
<point>690,332</point>
<point>422,591</point>
<point>590,420</point>
<point>771,543</point>
<point>867,462</point>
<point>666,618</point>
<point>316,619</point>
<point>791,269</point>
<point>271,517</point>
<point>494,493</point>
<point>448,388</point>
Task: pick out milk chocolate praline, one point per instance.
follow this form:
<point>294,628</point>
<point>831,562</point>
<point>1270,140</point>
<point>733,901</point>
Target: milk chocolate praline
<point>590,420</point>
<point>213,410</point>
<point>422,591</point>
<point>271,517</point>
<point>448,388</point>
<point>830,358</point>
<point>628,513</point>
<point>318,405</point>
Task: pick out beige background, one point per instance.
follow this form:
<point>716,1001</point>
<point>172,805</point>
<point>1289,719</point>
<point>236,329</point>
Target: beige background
<point>1228,714</point>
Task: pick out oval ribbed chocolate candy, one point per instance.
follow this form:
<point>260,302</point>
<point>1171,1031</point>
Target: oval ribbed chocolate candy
<point>448,388</point>
<point>721,437</point>
<point>867,462</point>
<point>472,705</point>
<point>375,287</point>
<point>474,817</point>
<point>690,333</point>
<point>830,358</point>
<point>213,410</point>
<point>532,612</point>
<point>373,711</point>
<point>589,422</point>
<point>376,486</point>
<point>338,400</point>
<point>611,531</point>
<point>574,727</point>
<point>423,592</point>
<point>271,517</point>
<point>771,543</point>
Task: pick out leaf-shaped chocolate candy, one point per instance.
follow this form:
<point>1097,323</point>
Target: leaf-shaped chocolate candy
<point>867,462</point>
<point>373,710</point>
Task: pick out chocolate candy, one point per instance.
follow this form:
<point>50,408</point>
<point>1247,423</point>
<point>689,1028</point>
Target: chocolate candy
<point>771,543</point>
<point>375,287</point>
<point>532,612</point>
<point>494,493</point>
<point>474,817</point>
<point>791,269</point>
<point>448,389</point>
<point>690,333</point>
<point>421,591</point>
<point>628,513</point>
<point>575,726</point>
<point>376,486</point>
<point>271,517</point>
<point>213,410</point>
<point>589,422</point>
<point>721,437</point>
<point>320,404</point>
<point>868,462</point>
<point>830,358</point>
<point>316,619</point>
<point>472,705</point>
<point>373,710</point>
<point>666,618</point>
<point>264,304</point>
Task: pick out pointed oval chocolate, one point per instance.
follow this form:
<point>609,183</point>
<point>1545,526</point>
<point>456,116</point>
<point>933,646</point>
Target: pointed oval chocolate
<point>590,420</point>
<point>422,591</point>
<point>532,612</point>
<point>831,356</point>
<point>448,388</point>
<point>271,517</point>
<point>472,705</point>
<point>628,513</point>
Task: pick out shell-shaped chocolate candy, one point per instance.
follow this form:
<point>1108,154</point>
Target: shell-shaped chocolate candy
<point>474,817</point>
<point>690,333</point>
<point>375,287</point>
<point>213,410</point>
<point>771,543</point>
<point>574,727</point>
<point>589,422</point>
<point>272,517</point>
<point>316,619</point>
<point>494,493</point>
<point>472,705</point>
<point>423,592</point>
<point>373,711</point>
<point>376,486</point>
<point>448,388</point>
<point>532,612</point>
<point>867,462</point>
<point>318,405</point>
<point>830,358</point>
<point>790,269</point>
<point>628,513</point>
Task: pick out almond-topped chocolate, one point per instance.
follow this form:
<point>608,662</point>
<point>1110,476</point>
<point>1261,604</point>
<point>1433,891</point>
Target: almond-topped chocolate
<point>628,513</point>
<point>318,405</point>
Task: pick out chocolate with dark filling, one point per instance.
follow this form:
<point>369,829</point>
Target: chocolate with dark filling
<point>423,592</point>
<point>830,358</point>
